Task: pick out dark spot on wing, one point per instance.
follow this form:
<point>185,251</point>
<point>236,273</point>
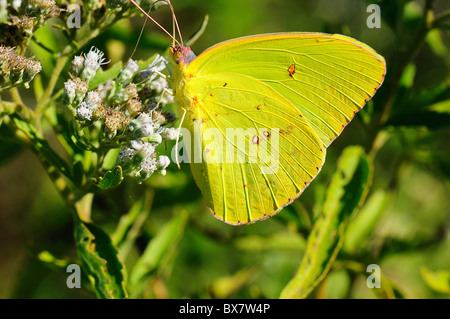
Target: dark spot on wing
<point>291,70</point>
<point>225,84</point>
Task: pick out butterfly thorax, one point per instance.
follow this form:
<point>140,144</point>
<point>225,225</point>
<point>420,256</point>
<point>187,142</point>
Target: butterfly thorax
<point>181,56</point>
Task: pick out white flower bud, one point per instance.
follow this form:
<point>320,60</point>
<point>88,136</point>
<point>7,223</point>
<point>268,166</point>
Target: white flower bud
<point>16,4</point>
<point>147,150</point>
<point>148,165</point>
<point>159,84</point>
<point>69,92</point>
<point>162,162</point>
<point>84,112</point>
<point>125,155</point>
<point>93,99</point>
<point>93,60</point>
<point>127,72</point>
<point>32,68</point>
<point>169,133</point>
<point>158,64</point>
<point>142,126</point>
<point>137,144</point>
<point>147,128</point>
<point>130,92</point>
<point>77,65</point>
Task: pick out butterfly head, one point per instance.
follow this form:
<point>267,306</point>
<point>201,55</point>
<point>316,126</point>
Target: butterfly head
<point>182,54</point>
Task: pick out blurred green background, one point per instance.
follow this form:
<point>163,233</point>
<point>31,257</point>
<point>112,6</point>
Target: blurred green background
<point>407,220</point>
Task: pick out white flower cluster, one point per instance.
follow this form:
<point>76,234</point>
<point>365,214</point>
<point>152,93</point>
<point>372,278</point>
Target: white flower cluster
<point>15,69</point>
<point>128,108</point>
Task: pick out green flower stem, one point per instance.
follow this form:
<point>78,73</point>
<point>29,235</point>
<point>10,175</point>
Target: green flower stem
<point>16,97</point>
<point>8,108</point>
<point>61,62</point>
<point>6,88</point>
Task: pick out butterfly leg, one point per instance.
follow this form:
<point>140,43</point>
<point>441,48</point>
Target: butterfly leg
<point>164,91</point>
<point>178,137</point>
<point>164,76</point>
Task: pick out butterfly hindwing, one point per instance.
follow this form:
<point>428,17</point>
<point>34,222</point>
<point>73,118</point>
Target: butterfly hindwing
<point>258,151</point>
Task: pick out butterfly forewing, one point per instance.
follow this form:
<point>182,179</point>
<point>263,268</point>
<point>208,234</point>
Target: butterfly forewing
<point>328,78</point>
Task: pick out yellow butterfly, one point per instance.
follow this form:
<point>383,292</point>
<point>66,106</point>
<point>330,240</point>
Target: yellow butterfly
<point>286,95</point>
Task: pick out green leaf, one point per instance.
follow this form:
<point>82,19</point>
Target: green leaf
<point>50,260</point>
<point>166,240</point>
<point>77,172</point>
<point>112,178</point>
<point>437,280</point>
<point>110,158</point>
<point>363,224</point>
<point>348,188</point>
<point>436,43</point>
<point>43,149</point>
<point>407,79</point>
<point>130,224</point>
<point>104,75</point>
<point>441,107</point>
<point>100,261</point>
<point>224,287</point>
<point>8,147</point>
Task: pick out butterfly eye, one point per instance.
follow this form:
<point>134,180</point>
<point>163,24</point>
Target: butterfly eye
<point>176,53</point>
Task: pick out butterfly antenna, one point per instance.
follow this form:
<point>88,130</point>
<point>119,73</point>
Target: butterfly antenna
<point>143,26</point>
<point>139,38</point>
<point>175,22</point>
<point>154,21</point>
